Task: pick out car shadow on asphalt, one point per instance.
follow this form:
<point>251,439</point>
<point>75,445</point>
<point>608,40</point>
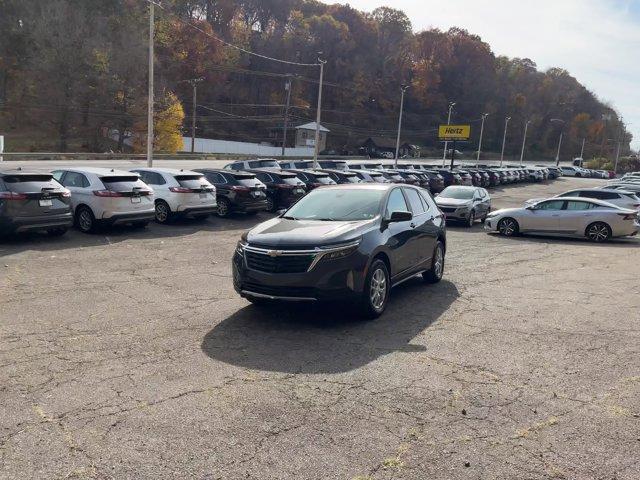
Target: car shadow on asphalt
<point>105,235</point>
<point>309,338</point>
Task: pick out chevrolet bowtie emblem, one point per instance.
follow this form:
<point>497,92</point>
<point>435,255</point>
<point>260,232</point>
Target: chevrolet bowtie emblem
<point>274,253</point>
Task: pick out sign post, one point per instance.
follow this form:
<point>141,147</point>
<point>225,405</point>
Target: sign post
<point>454,133</point>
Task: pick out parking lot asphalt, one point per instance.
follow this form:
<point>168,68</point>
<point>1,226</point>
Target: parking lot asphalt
<point>127,354</point>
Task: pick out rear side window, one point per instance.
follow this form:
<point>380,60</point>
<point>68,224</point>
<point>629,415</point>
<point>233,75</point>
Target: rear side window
<point>396,203</point>
<point>216,177</point>
<point>573,205</point>
<point>74,179</point>
<point>414,200</point>
<point>29,183</point>
<point>265,177</point>
<point>152,178</point>
<point>191,181</point>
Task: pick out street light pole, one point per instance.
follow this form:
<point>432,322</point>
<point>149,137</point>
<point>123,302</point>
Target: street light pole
<point>524,141</point>
<point>403,89</point>
<point>287,86</point>
<point>484,117</point>
<point>584,140</point>
<point>504,139</point>
<point>318,115</point>
<point>446,144</point>
<point>150,101</point>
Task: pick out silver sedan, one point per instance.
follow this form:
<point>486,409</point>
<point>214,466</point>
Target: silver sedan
<point>574,217</point>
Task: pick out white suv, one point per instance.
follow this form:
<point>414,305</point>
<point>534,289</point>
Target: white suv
<point>179,193</point>
<point>572,172</point>
<point>104,195</point>
<point>249,164</point>
<point>620,198</point>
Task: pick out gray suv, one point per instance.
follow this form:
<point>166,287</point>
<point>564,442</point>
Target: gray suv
<point>465,204</point>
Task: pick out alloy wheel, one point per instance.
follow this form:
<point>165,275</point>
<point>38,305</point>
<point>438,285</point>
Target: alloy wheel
<point>223,208</point>
<point>438,263</point>
<point>85,222</point>
<point>507,227</point>
<point>472,219</point>
<point>598,232</point>
<point>162,212</point>
<point>378,289</point>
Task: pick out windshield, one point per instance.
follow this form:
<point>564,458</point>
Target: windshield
<point>457,193</point>
<point>291,180</point>
<point>338,204</point>
<point>324,179</point>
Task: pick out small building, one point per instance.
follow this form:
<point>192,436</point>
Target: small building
<point>306,136</point>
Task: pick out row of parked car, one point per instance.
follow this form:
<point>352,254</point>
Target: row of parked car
<point>577,171</point>
<point>89,196</point>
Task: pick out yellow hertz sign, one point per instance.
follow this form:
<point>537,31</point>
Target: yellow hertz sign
<point>454,132</point>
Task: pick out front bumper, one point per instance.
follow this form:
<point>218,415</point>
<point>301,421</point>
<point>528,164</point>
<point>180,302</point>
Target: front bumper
<point>328,280</point>
<point>41,222</point>
<point>457,214</point>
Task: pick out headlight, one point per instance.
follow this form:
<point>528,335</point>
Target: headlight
<point>492,215</point>
<point>240,247</point>
<point>335,253</point>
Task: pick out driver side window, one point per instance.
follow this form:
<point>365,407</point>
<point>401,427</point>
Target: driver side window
<point>396,203</point>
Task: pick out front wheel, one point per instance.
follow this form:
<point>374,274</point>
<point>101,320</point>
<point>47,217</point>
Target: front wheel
<point>434,275</point>
<point>471,220</point>
<point>375,295</point>
<point>508,227</point>
<point>598,232</point>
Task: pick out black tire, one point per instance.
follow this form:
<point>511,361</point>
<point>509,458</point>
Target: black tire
<point>85,220</point>
<point>434,275</point>
<point>163,212</point>
<point>471,219</point>
<point>57,232</point>
<point>378,282</point>
<point>508,227</point>
<point>598,232</point>
<point>578,175</point>
<point>272,206</point>
<point>224,207</point>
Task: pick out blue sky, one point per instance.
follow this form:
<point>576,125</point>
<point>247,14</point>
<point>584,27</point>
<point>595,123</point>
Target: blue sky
<point>597,41</point>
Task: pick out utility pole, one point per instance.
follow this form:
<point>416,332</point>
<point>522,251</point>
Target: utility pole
<point>504,139</point>
<point>446,144</point>
<point>194,84</point>
<point>584,140</point>
<point>403,89</point>
<point>524,141</point>
<point>318,113</point>
<point>287,87</point>
<point>150,101</point>
<point>557,120</point>
<point>484,117</point>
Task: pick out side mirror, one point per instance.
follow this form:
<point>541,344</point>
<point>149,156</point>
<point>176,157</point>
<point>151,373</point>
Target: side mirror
<point>437,194</point>
<point>281,212</point>
<point>397,217</point>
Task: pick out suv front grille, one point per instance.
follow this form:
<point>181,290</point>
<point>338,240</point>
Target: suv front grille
<point>448,209</point>
<point>263,262</point>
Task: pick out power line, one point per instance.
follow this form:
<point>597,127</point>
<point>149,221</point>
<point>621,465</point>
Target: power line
<point>231,45</point>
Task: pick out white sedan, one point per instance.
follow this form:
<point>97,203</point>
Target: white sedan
<point>596,220</point>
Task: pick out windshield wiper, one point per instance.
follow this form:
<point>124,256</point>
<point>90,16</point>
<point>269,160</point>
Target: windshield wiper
<point>289,218</point>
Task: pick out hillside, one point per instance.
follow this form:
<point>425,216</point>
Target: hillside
<point>72,69</point>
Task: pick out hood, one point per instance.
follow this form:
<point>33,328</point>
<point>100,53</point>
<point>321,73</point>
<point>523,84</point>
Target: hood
<point>280,232</point>
<point>451,202</point>
<point>505,211</point>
